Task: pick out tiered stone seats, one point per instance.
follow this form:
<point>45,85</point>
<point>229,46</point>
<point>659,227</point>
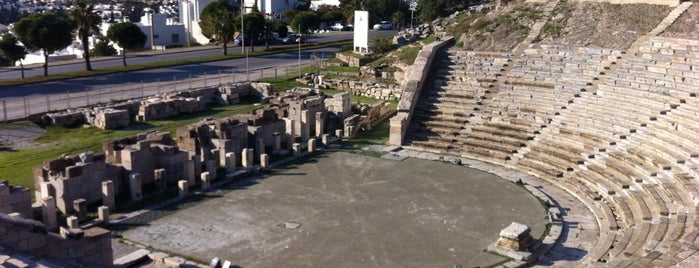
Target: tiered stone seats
<point>448,106</point>
<point>623,139</point>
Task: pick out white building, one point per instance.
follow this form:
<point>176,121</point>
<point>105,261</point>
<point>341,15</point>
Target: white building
<point>190,10</point>
<point>166,32</point>
<point>271,8</point>
<point>316,3</point>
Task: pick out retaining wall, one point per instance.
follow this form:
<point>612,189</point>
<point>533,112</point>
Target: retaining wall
<point>411,89</point>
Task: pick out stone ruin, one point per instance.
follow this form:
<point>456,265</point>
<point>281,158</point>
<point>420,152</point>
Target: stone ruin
<point>515,242</point>
<point>78,181</point>
<point>14,199</point>
<point>73,177</point>
<point>407,35</point>
<point>119,115</point>
<point>379,91</point>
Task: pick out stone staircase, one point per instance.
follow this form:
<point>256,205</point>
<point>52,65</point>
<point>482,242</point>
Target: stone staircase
<point>536,29</point>
<point>670,19</point>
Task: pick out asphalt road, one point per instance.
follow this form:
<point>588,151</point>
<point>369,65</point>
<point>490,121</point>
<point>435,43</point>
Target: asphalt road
<point>179,73</point>
<point>150,56</point>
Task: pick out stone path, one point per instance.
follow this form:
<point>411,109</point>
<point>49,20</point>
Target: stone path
<point>670,19</point>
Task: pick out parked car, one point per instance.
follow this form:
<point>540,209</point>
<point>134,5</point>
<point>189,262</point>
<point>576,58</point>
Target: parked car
<point>249,40</point>
<point>294,38</point>
<point>383,25</point>
<point>341,27</point>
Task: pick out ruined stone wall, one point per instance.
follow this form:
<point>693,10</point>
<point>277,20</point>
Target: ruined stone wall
<point>91,247</point>
<point>373,90</point>
<point>73,177</point>
<point>672,3</point>
<point>303,113</point>
<point>379,112</point>
<point>339,103</point>
<point>155,108</point>
<point>227,134</point>
<point>14,199</point>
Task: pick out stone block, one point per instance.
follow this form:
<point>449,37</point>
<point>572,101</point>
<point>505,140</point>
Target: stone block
<point>72,222</point>
<point>311,145</point>
<point>160,180</point>
<point>205,181</point>
<point>80,208</point>
<point>211,168</point>
<point>132,258</point>
<point>248,159</point>
<point>230,162</point>
<point>325,139</point>
<point>183,188</point>
<point>158,257</point>
<point>296,147</point>
<point>49,212</point>
<point>264,160</point>
<point>135,187</point>
<point>108,197</point>
<point>103,214</point>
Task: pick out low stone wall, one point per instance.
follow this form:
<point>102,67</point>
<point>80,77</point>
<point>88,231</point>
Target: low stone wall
<point>91,247</point>
<point>352,60</point>
<point>411,89</point>
<point>672,3</point>
<point>15,199</point>
<point>157,108</point>
<point>360,88</point>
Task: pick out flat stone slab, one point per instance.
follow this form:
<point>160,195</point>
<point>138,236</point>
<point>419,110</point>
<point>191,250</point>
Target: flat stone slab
<point>132,258</point>
<point>353,211</point>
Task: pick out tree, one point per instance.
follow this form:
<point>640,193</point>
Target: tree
<point>398,19</point>
<point>128,36</point>
<point>217,21</point>
<point>329,14</point>
<point>46,32</point>
<point>289,14</point>
<point>254,26</point>
<point>383,9</point>
<point>278,27</point>
<point>86,21</point>
<point>103,49</point>
<point>305,22</point>
<point>12,51</point>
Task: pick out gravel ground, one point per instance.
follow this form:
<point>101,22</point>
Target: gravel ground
<point>19,135</point>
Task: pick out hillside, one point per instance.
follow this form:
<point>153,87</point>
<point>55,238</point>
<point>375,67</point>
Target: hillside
<point>686,26</point>
<point>571,23</point>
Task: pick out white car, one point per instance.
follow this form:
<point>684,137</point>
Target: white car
<point>338,27</point>
<point>383,25</point>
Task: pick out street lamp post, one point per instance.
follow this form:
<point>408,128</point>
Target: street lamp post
<point>413,6</point>
<point>242,39</point>
<point>299,40</point>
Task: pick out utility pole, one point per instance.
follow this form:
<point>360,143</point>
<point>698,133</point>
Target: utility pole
<point>299,38</point>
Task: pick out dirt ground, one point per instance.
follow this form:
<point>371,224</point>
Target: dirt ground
<point>686,26</point>
<point>19,135</point>
<point>603,24</point>
<point>348,210</point>
<point>572,23</point>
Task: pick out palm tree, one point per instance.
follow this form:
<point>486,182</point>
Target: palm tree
<point>85,21</point>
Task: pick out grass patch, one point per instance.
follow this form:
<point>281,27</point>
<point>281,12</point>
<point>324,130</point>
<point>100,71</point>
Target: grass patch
<point>551,30</point>
<point>16,166</point>
<point>429,40</point>
<point>377,135</point>
<point>342,69</point>
<point>408,54</point>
